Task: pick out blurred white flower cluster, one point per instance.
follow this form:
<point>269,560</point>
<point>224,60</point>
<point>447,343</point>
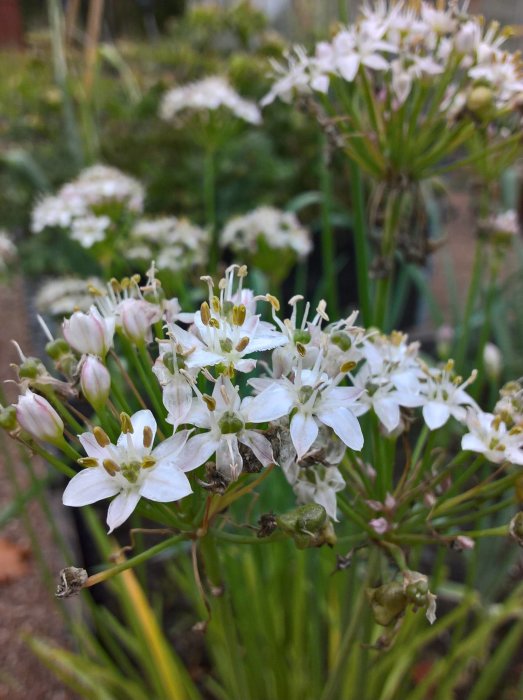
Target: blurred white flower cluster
<point>63,295</point>
<point>8,251</point>
<point>399,45</point>
<point>88,204</point>
<point>175,244</point>
<point>302,412</point>
<point>267,226</point>
<point>209,94</point>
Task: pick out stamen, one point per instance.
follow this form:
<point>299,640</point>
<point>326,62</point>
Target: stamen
<point>205,313</point>
<point>101,436</point>
<point>147,436</point>
<point>125,422</point>
<point>209,402</point>
<point>87,462</point>
<point>110,467</point>
<point>242,344</point>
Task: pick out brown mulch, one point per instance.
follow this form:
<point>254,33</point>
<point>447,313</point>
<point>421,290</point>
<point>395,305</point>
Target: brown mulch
<point>27,604</point>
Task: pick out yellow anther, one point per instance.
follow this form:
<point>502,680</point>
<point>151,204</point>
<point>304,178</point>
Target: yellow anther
<point>87,462</point>
<point>216,306</point>
<point>242,271</point>
<point>125,422</point>
<point>147,436</point>
<point>347,366</point>
<point>101,436</point>
<point>116,286</point>
<point>209,402</point>
<point>242,344</point>
<point>301,349</point>
<point>205,312</point>
<point>214,323</point>
<point>238,315</point>
<point>273,301</point>
<point>148,462</point>
<point>110,467</point>
<point>125,282</point>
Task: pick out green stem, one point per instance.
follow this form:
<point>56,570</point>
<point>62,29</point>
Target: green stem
<point>134,561</point>
<point>390,233</point>
<point>474,287</point>
<point>360,242</point>
<point>209,197</point>
<point>327,235</point>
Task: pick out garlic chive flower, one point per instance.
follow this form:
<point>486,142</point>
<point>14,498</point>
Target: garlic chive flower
<point>131,469</point>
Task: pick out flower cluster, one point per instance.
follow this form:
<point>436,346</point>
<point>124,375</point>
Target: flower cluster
<point>398,45</point>
<point>89,204</point>
<point>206,95</point>
<point>7,251</point>
<point>63,295</point>
<point>175,244</point>
<point>302,411</point>
<point>266,227</point>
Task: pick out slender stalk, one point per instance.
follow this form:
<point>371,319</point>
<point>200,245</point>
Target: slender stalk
<point>474,287</point>
<point>209,200</point>
<point>327,235</point>
<point>134,561</point>
<point>390,231</point>
<point>360,243</point>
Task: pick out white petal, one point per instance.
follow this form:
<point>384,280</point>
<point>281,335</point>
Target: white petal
<point>177,399</point>
<point>229,461</point>
<point>203,358</point>
<point>348,67</point>
<point>345,425</point>
<point>472,443</point>
<point>259,445</point>
<point>435,414</point>
<point>165,483</point>
<point>92,448</point>
<point>121,508</point>
<point>88,486</point>
<point>303,432</point>
<point>266,342</point>
<point>274,402</point>
<point>198,450</point>
<point>388,412</point>
<point>171,447</point>
<point>139,421</point>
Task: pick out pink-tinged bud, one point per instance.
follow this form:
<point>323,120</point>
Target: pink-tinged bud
<point>136,318</point>
<point>89,334</point>
<point>37,417</point>
<point>379,525</point>
<point>95,381</point>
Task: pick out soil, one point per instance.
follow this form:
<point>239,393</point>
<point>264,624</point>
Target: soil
<point>27,604</point>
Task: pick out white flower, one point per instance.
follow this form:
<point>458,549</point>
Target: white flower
<point>354,48</point>
<point>445,396</point>
<point>208,94</point>
<point>311,397</point>
<point>224,416</point>
<point>130,470</point>
<point>225,333</point>
<point>7,250</point>
<point>64,295</point>
<point>319,485</point>
<point>274,228</point>
<point>489,436</point>
<point>88,230</point>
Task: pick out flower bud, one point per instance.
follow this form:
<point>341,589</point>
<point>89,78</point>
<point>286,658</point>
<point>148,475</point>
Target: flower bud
<point>90,333</point>
<point>137,317</point>
<point>56,348</point>
<point>493,361</point>
<point>95,381</point>
<point>8,418</point>
<point>37,417</point>
<point>479,99</point>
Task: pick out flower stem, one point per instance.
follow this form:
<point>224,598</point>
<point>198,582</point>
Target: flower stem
<point>360,242</point>
<point>209,196</point>
<point>134,561</point>
<point>327,235</point>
